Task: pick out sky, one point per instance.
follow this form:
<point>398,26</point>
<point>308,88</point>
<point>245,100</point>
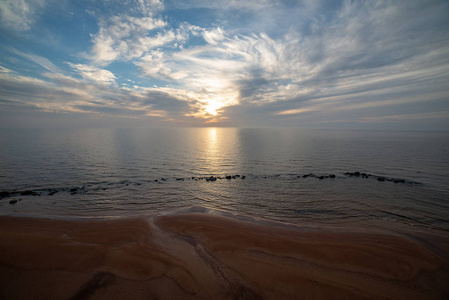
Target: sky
<point>265,63</point>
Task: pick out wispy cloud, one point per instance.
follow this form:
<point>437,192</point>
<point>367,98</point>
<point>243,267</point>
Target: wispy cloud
<point>41,61</point>
<point>5,70</point>
<point>94,74</point>
<point>407,117</point>
<point>19,14</point>
<point>125,37</point>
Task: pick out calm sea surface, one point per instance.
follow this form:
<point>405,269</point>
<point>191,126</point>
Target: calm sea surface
<point>123,172</point>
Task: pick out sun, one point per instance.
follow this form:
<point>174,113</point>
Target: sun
<point>212,106</point>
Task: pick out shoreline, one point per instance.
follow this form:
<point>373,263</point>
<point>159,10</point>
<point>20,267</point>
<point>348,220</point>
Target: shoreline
<point>197,254</point>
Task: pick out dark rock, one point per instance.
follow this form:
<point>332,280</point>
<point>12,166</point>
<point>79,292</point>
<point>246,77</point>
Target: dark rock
<point>321,177</point>
<point>179,179</point>
<point>156,180</point>
<point>4,194</point>
<point>331,176</point>
<point>163,179</point>
<point>357,174</point>
<point>399,181</point>
<point>228,177</point>
<point>52,192</point>
<point>29,193</point>
<point>13,201</point>
<point>309,175</point>
<point>243,177</point>
<point>381,178</point>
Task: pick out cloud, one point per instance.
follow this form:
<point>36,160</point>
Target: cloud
<point>125,37</point>
<point>41,61</point>
<point>5,70</point>
<point>226,4</point>
<point>65,94</point>
<point>19,14</point>
<point>166,101</point>
<point>408,117</point>
<point>94,74</point>
<point>148,7</point>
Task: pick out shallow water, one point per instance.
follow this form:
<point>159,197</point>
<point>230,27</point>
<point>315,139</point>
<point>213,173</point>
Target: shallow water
<point>121,172</point>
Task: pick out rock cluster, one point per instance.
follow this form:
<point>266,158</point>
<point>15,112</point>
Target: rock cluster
<point>106,185</point>
<point>378,178</point>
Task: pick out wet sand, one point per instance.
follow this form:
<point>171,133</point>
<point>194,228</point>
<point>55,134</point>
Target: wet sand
<point>200,255</point>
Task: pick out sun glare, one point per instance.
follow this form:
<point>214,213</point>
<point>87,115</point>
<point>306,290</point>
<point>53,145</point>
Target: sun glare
<point>212,106</point>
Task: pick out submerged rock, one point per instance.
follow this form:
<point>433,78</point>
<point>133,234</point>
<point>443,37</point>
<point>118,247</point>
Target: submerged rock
<point>4,194</point>
<point>29,193</point>
<point>398,180</point>
<point>52,192</point>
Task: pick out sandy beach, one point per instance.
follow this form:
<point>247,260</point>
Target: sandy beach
<point>200,255</point>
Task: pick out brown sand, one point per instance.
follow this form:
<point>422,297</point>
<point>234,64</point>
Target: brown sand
<point>208,256</point>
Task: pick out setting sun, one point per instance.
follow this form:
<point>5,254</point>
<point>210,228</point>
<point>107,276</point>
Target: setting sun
<point>212,106</point>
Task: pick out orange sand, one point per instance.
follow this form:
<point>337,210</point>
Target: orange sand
<point>207,256</point>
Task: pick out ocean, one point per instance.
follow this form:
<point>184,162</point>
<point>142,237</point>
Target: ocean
<point>388,179</point>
